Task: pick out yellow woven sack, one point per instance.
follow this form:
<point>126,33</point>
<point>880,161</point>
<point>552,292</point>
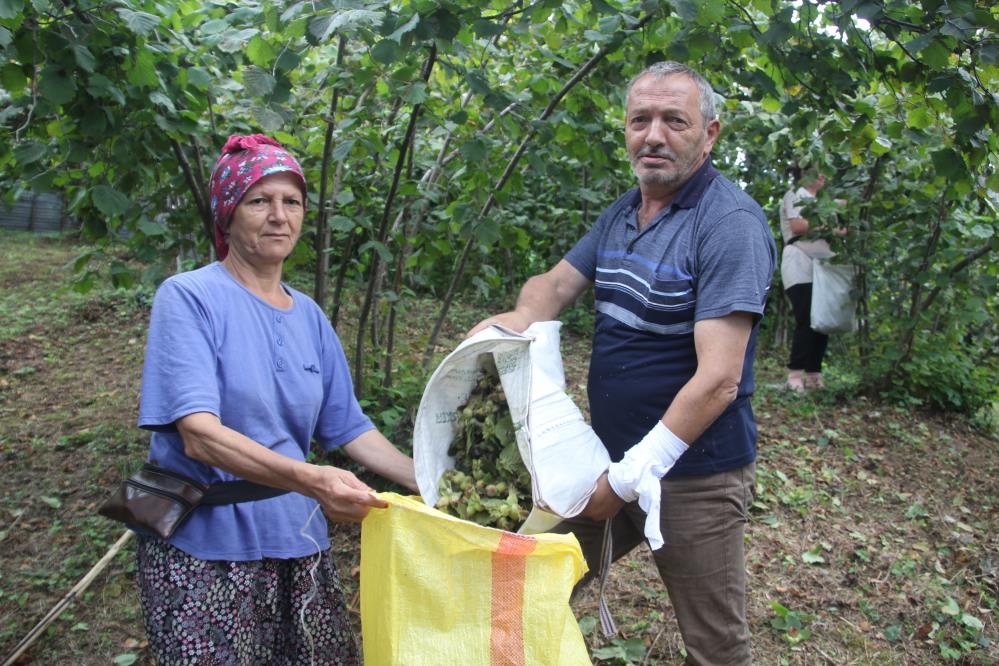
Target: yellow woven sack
<point>440,591</point>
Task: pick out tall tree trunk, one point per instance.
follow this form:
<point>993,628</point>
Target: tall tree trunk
<point>352,236</point>
<point>322,228</point>
<point>400,264</point>
<point>863,220</point>
<point>32,212</point>
<point>197,192</point>
<point>370,295</point>
<point>928,254</point>
<point>909,337</point>
<point>341,277</point>
<point>459,272</point>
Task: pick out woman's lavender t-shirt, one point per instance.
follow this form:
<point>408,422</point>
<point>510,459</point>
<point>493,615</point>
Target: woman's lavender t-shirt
<point>277,376</point>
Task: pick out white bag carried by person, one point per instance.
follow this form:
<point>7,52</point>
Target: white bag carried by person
<point>834,305</point>
<point>560,450</point>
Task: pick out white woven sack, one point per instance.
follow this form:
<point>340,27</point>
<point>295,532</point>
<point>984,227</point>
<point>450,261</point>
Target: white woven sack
<point>834,308</point>
<point>561,451</point>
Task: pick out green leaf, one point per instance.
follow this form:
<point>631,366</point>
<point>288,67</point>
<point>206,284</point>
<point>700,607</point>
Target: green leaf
<point>380,248</point>
<point>125,659</point>
<point>244,15</point>
<point>919,117</point>
<point>5,37</point>
<point>989,53</point>
<point>142,72</point>
<point>235,41</point>
<point>947,652</point>
<point>53,502</point>
<point>109,201</point>
<point>473,150</point>
<point>341,150</point>
<point>12,78</point>
<point>488,232</point>
<point>257,82</point>
<point>921,42</point>
<point>443,24</point>
<point>288,60</point>
<point>140,23</point>
<point>777,33</point>
<point>321,27</point>
<point>936,55</point>
<point>213,27</point>
<point>971,621</point>
<point>686,9</point>
<point>199,77</point>
<point>56,85</point>
<point>881,145</point>
<point>948,162</point>
<point>94,122</point>
<point>10,8</point>
<point>485,29</point>
<point>770,104</point>
<point>150,228</point>
<point>340,223</point>
<point>84,58</point>
<point>386,51</point>
<point>812,556</point>
<point>28,152</point>
<point>950,607</point>
<point>160,99</point>
<point>406,27</point>
<point>260,52</point>
<point>268,118</point>
<point>101,86</point>
<point>415,93</point>
<point>711,11</point>
<point>122,276</point>
<point>612,653</point>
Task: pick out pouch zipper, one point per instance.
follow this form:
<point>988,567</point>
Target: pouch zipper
<point>161,493</point>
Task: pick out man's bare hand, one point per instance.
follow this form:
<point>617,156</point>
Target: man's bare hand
<point>344,497</point>
<point>513,320</point>
<point>604,503</point>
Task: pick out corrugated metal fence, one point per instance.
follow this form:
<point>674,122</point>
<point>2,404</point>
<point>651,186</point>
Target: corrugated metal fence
<point>36,212</point>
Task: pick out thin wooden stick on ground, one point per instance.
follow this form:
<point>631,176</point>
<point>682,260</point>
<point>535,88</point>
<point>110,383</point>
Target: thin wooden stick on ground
<point>57,610</point>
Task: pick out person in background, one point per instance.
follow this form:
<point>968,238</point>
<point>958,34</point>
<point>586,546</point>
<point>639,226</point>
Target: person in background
<point>801,248</point>
<point>242,373</point>
<point>681,265</point>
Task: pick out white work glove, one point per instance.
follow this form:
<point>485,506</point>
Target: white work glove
<point>638,475</point>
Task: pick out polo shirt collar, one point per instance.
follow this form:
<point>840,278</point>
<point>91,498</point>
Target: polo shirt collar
<point>691,192</point>
<point>688,196</point>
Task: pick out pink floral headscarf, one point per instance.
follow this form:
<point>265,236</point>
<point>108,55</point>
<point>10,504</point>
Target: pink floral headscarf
<point>244,161</point>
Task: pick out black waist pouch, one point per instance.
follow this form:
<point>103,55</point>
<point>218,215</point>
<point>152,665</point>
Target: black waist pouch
<point>160,500</point>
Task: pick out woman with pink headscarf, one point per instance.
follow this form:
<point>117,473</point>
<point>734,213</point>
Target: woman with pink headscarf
<point>242,374</point>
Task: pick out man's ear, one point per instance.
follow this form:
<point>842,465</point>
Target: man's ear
<point>712,130</point>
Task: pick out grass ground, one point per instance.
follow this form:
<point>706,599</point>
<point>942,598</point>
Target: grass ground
<point>873,539</point>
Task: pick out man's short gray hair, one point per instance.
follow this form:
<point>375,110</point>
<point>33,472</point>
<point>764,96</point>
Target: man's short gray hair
<point>666,68</point>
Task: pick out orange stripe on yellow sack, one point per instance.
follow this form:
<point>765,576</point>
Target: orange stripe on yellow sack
<point>506,637</point>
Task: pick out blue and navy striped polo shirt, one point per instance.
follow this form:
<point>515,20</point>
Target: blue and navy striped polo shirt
<point>709,254</point>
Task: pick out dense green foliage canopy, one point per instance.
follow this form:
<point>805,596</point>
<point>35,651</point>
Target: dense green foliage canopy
<point>462,146</point>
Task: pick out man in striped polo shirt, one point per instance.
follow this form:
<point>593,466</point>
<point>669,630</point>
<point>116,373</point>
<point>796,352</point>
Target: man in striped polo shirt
<point>681,266</point>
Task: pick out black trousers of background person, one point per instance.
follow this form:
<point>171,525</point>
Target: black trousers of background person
<point>808,346</point>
